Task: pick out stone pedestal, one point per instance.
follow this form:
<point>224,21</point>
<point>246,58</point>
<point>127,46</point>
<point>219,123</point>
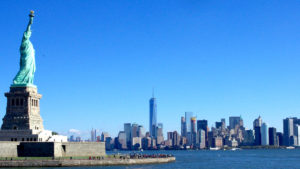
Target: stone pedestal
<point>23,109</point>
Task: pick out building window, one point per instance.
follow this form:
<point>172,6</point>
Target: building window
<point>16,139</point>
<point>30,139</point>
<point>11,139</point>
<point>34,139</point>
<point>31,102</point>
<point>17,102</point>
<point>21,102</point>
<point>12,102</point>
<point>27,139</point>
<point>37,103</point>
<point>23,139</point>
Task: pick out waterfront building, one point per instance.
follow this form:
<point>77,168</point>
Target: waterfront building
<point>257,131</point>
<point>159,134</point>
<point>153,116</point>
<point>280,138</point>
<point>193,131</point>
<point>201,140</point>
<point>293,140</point>
<point>189,139</point>
<point>104,135</point>
<point>109,143</point>
<point>188,116</point>
<point>264,134</point>
<point>234,121</point>
<point>98,139</point>
<point>134,130</point>
<point>141,131</point>
<point>272,137</point>
<point>257,122</point>
<point>219,125</point>
<point>223,123</point>
<point>136,143</point>
<point>248,137</point>
<point>233,143</point>
<point>127,130</point>
<point>168,143</point>
<point>297,133</point>
<point>203,125</point>
<point>175,139</point>
<point>183,127</point>
<point>78,139</point>
<point>146,143</point>
<point>153,143</point>
<point>288,130</point>
<point>217,142</point>
<point>122,140</point>
<point>169,135</point>
<point>72,138</point>
<point>209,141</point>
<point>93,135</point>
<point>183,141</point>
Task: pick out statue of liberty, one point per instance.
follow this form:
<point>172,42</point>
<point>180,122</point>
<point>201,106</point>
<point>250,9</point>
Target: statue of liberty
<point>27,61</point>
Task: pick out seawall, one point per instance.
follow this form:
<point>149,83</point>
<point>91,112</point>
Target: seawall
<point>70,163</point>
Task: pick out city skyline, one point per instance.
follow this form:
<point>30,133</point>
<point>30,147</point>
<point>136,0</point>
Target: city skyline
<point>214,59</point>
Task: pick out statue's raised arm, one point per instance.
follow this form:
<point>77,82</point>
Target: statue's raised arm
<point>27,33</point>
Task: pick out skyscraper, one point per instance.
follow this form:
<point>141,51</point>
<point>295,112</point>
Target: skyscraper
<point>188,116</point>
<point>141,131</point>
<point>134,130</point>
<point>153,116</point>
<point>122,140</point>
<point>257,122</point>
<point>279,138</point>
<point>257,135</point>
<point>223,123</point>
<point>193,131</point>
<point>183,127</point>
<point>297,132</point>
<point>288,130</point>
<point>93,135</point>
<point>219,124</point>
<point>233,121</point>
<point>127,130</point>
<point>201,140</point>
<point>203,125</point>
<point>264,134</point>
<point>159,133</point>
<point>272,137</point>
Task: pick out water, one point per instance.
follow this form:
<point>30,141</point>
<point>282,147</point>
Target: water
<point>248,159</point>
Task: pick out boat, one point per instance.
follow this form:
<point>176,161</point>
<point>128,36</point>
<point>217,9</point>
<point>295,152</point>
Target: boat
<point>234,149</point>
<point>214,148</point>
<point>290,147</point>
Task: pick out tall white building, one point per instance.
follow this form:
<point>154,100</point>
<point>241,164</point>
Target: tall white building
<point>264,134</point>
<point>93,135</point>
<point>297,130</point>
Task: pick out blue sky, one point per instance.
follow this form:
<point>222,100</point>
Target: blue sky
<point>97,61</point>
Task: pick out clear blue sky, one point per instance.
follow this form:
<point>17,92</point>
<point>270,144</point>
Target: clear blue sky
<point>97,61</point>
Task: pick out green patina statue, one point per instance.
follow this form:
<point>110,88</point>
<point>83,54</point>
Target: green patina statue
<point>27,61</point>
